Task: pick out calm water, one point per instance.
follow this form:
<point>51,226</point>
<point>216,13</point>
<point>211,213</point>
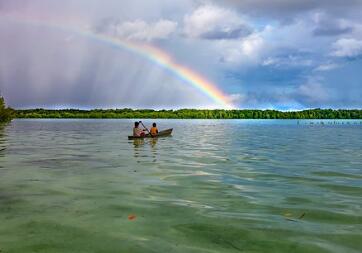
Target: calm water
<point>214,186</point>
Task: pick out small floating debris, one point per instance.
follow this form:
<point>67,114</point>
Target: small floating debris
<point>301,216</point>
<point>288,217</point>
<point>132,217</point>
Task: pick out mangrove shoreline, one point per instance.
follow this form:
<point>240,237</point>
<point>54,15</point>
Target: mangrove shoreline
<point>6,114</point>
<point>186,114</point>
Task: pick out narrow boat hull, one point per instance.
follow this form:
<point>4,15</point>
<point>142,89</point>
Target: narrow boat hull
<point>163,133</point>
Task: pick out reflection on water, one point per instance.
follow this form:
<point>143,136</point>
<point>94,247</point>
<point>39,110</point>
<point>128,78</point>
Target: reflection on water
<point>141,151</point>
<point>137,143</point>
<point>153,142</point>
<point>240,186</point>
<point>2,139</point>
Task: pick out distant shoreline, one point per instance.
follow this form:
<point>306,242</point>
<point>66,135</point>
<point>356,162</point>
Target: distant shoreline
<point>186,114</point>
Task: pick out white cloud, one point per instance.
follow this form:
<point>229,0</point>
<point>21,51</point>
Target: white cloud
<point>313,91</point>
<point>140,30</point>
<point>247,50</point>
<point>270,61</point>
<point>237,98</point>
<point>347,47</point>
<point>288,61</point>
<point>326,67</point>
<point>212,22</point>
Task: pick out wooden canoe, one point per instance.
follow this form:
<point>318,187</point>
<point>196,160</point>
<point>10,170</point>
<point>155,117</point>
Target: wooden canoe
<point>163,133</point>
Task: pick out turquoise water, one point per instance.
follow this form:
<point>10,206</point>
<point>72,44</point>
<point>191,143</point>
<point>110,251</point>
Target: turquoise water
<point>214,186</point>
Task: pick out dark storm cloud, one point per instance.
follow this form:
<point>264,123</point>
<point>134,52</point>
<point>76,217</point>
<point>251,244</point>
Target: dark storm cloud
<point>330,26</point>
<point>287,9</point>
<point>331,30</point>
<point>274,87</point>
<point>66,70</point>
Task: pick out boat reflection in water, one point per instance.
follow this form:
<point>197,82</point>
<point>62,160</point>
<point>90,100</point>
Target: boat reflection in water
<point>141,150</point>
<point>139,144</point>
<point>153,142</point>
<point>137,147</point>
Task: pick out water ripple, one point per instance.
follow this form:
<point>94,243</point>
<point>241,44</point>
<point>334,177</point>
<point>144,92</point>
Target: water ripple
<point>215,186</point>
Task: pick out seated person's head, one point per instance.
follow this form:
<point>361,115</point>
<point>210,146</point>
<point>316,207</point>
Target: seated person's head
<point>154,124</point>
<point>136,124</point>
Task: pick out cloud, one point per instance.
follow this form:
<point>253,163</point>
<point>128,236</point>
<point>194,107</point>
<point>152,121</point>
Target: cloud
<point>347,47</point>
<point>260,51</point>
<point>85,73</point>
<point>332,30</point>
<point>138,29</point>
<point>330,26</point>
<point>245,51</point>
<point>288,10</point>
<point>313,92</point>
<point>237,98</point>
<point>291,60</point>
<point>326,67</point>
<point>215,23</point>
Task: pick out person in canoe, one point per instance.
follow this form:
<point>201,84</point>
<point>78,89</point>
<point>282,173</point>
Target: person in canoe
<point>138,131</point>
<point>154,130</point>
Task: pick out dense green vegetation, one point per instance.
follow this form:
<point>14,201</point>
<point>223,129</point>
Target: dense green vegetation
<point>191,114</point>
<point>6,114</point>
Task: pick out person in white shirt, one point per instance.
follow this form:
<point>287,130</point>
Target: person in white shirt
<point>137,131</point>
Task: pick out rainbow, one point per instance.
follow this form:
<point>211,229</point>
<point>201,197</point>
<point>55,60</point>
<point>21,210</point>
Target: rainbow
<point>149,52</point>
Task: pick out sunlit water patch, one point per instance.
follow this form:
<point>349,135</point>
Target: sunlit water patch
<point>214,186</point>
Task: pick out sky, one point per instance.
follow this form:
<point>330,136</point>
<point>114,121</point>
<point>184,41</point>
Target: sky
<point>262,54</point>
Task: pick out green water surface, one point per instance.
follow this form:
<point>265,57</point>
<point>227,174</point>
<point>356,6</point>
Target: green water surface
<point>214,186</point>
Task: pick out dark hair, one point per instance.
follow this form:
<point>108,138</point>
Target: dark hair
<point>136,124</point>
<point>154,124</point>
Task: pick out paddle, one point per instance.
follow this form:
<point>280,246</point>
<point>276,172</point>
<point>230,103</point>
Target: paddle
<point>147,129</point>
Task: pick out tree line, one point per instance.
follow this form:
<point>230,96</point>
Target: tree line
<point>6,114</point>
<point>188,114</point>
